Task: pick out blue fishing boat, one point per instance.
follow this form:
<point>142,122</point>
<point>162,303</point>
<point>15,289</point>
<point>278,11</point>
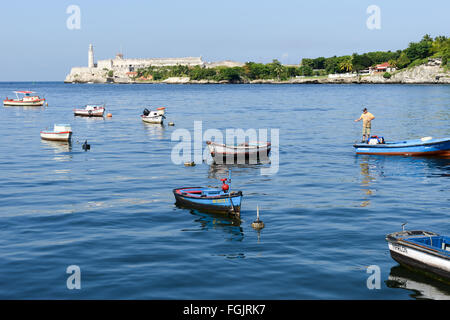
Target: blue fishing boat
<point>210,200</point>
<point>420,147</point>
<point>213,200</point>
<point>421,250</point>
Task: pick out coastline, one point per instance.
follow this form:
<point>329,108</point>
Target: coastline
<point>422,74</point>
<point>273,82</point>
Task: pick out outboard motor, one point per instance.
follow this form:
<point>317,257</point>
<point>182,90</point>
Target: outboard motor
<point>146,112</point>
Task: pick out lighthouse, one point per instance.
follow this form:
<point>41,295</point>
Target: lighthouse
<point>91,57</point>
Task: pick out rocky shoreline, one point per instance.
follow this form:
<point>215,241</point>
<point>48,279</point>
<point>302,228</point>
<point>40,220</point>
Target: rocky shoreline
<point>428,73</point>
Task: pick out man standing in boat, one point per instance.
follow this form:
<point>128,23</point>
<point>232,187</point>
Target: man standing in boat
<point>367,118</point>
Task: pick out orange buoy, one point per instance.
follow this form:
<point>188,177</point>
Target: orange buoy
<point>109,115</point>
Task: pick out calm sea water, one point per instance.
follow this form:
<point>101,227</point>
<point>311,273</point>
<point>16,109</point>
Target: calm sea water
<point>111,210</point>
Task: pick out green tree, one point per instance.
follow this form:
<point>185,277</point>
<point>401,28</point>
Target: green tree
<point>307,62</point>
<point>277,69</point>
<point>346,65</point>
<point>420,50</point>
<point>306,71</point>
<point>319,63</point>
<point>403,61</point>
<point>361,62</point>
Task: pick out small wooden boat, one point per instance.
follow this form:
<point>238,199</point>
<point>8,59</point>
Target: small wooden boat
<point>156,117</point>
<point>246,152</point>
<point>24,98</point>
<point>426,146</point>
<point>61,132</point>
<point>210,199</point>
<point>422,250</point>
<point>90,110</point>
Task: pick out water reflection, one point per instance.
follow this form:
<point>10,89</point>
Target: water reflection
<point>37,108</point>
<point>218,171</point>
<point>367,178</point>
<point>421,286</point>
<point>211,221</point>
<point>154,130</point>
<point>442,164</point>
<point>61,149</point>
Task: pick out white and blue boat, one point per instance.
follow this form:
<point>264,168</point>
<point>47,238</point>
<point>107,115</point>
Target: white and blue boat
<point>421,250</point>
<point>426,146</point>
<point>210,200</point>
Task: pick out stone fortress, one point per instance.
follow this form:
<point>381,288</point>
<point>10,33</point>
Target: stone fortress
<point>122,70</point>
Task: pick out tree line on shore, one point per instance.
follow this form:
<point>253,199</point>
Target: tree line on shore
<point>415,54</point>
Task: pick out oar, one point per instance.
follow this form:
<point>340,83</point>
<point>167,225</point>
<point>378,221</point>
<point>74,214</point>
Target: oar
<point>229,191</point>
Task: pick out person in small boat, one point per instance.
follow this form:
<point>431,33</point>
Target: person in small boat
<point>367,118</point>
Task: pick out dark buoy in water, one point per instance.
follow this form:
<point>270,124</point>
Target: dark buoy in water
<point>86,146</point>
<point>257,224</point>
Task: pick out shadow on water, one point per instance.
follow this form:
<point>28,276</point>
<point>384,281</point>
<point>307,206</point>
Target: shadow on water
<point>421,286</point>
<point>380,165</point>
<point>218,171</point>
<point>58,146</point>
<point>61,149</point>
<point>154,130</point>
<point>440,163</point>
<point>211,221</point>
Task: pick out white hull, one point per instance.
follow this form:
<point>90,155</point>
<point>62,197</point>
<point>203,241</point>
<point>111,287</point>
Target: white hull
<point>89,113</point>
<point>421,257</point>
<point>56,136</point>
<point>23,103</point>
<point>158,119</point>
<point>252,152</point>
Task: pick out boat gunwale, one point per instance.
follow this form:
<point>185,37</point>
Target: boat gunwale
<point>233,194</point>
<point>52,132</point>
<point>266,145</point>
<point>396,144</point>
<point>422,248</point>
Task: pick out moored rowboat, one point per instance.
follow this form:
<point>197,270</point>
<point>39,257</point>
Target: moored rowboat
<point>251,151</point>
<point>418,147</point>
<point>61,132</point>
<point>91,110</point>
<point>210,199</point>
<point>422,250</point>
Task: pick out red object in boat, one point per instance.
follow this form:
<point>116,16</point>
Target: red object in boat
<point>225,187</point>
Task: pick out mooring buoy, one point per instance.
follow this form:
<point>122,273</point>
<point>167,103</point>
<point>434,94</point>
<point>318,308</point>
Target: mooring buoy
<point>171,124</point>
<point>189,164</point>
<point>257,224</point>
<point>86,146</point>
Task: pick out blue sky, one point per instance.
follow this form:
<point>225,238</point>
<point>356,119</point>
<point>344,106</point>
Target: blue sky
<point>37,45</point>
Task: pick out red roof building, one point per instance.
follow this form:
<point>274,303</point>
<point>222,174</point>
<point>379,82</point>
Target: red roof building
<point>382,67</point>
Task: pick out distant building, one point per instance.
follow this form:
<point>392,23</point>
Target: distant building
<point>382,67</point>
<point>131,74</point>
<point>124,68</point>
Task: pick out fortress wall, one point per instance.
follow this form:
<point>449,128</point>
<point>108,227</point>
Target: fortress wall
<point>142,63</point>
<point>79,70</point>
<point>85,74</point>
<point>225,63</point>
<point>108,64</point>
